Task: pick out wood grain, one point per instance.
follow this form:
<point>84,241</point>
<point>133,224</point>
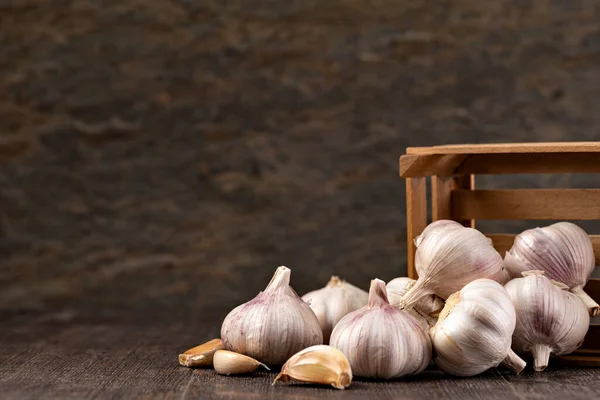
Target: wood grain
<point>441,196</point>
<point>547,147</point>
<point>437,164</point>
<point>542,204</point>
<point>416,217</point>
<point>534,163</point>
<point>504,241</point>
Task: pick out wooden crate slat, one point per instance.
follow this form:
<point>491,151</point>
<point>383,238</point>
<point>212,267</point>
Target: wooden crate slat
<point>536,163</point>
<point>494,148</point>
<point>421,166</point>
<point>416,220</point>
<point>504,241</point>
<point>517,204</point>
<point>441,190</point>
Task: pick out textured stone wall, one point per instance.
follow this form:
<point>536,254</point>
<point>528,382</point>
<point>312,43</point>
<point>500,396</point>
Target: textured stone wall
<point>164,154</point>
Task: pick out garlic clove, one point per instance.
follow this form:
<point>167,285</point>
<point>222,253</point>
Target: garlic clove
<point>334,301</point>
<point>274,325</point>
<point>563,250</point>
<point>231,363</point>
<point>320,364</point>
<point>202,355</point>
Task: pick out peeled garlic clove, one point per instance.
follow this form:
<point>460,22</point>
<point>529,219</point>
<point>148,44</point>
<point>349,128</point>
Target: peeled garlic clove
<point>474,330</point>
<point>231,363</point>
<point>202,355</point>
<point>334,301</point>
<point>382,341</point>
<point>428,307</point>
<point>450,257</point>
<point>549,319</point>
<point>563,251</point>
<point>321,364</point>
<point>274,325</point>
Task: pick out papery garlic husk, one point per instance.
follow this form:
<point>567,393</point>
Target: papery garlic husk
<point>549,318</point>
<point>274,325</point>
<point>231,363</point>
<point>448,258</point>
<point>320,364</point>
<point>334,301</point>
<point>202,355</point>
<point>563,251</point>
<point>380,340</point>
<point>428,307</point>
<point>474,330</point>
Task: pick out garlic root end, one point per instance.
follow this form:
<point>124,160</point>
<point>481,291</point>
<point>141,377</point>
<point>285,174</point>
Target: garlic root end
<point>513,362</point>
<point>593,307</point>
<point>541,355</point>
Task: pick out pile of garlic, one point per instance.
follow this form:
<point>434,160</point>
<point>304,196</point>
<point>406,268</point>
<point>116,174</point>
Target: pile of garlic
<point>464,313</point>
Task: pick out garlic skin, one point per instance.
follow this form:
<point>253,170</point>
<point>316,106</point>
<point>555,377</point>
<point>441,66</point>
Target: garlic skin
<point>474,330</point>
<point>563,251</point>
<point>380,340</point>
<point>549,318</point>
<point>428,307</point>
<point>320,364</point>
<point>448,258</point>
<point>332,302</point>
<point>274,325</point>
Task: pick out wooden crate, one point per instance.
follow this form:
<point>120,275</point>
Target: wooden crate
<point>453,169</point>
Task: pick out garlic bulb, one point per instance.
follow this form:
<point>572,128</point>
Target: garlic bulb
<point>274,325</point>
<point>563,250</point>
<point>380,340</point>
<point>440,224</point>
<point>474,330</point>
<point>448,258</point>
<point>549,319</point>
<point>428,307</point>
<point>334,301</point>
<point>321,364</point>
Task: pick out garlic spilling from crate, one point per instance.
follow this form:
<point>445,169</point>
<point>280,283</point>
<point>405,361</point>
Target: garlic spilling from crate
<point>202,355</point>
<point>231,363</point>
<point>320,364</point>
<point>334,301</point>
<point>428,307</point>
<point>549,319</point>
<point>474,330</point>
<point>563,251</point>
<point>380,340</point>
<point>450,257</point>
<point>274,325</point>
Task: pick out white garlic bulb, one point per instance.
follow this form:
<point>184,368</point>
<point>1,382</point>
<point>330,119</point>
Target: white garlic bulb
<point>428,307</point>
<point>382,341</point>
<point>334,301</point>
<point>549,318</point>
<point>474,330</point>
<point>274,325</point>
<point>563,251</point>
<point>438,225</point>
<point>448,258</point>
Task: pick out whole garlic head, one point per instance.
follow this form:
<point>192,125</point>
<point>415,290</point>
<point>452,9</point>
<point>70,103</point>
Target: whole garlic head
<point>549,319</point>
<point>563,251</point>
<point>449,257</point>
<point>382,341</point>
<point>334,301</point>
<point>274,325</point>
<point>474,330</point>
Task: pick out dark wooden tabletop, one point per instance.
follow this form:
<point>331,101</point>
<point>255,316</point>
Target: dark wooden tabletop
<point>123,353</point>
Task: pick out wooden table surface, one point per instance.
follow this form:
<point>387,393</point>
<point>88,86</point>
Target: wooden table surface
<point>127,354</point>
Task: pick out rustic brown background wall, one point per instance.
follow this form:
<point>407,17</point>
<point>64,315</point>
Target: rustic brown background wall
<point>161,157</point>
